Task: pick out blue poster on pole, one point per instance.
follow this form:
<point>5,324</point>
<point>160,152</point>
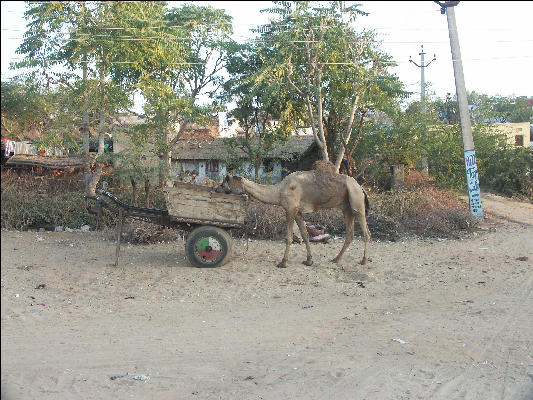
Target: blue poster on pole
<point>474,195</point>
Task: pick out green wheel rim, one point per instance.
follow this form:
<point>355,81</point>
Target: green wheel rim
<point>208,249</point>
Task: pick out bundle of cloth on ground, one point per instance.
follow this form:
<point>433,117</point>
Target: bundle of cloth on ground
<point>317,233</point>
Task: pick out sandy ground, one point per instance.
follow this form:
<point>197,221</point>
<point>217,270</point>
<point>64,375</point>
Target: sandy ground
<point>426,319</point>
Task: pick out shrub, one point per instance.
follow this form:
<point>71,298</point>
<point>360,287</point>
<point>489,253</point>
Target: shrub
<point>510,172</point>
<point>29,201</point>
<point>501,167</point>
<point>423,209</point>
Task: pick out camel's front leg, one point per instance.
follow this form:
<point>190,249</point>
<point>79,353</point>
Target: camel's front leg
<point>349,219</point>
<point>290,223</point>
<point>305,235</point>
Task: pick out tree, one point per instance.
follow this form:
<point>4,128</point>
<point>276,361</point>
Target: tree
<point>334,71</point>
<point>494,109</point>
<point>116,21</point>
<point>25,109</point>
<point>485,109</point>
<point>186,66</point>
<point>262,110</point>
<point>75,45</point>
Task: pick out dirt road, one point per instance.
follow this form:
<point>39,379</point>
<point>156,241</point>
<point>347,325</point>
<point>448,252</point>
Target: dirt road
<point>426,319</point>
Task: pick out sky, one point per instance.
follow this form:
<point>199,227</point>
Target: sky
<point>496,41</point>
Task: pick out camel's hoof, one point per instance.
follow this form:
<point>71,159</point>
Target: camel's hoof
<point>282,265</point>
<point>307,262</point>
<point>335,260</point>
<point>363,261</point>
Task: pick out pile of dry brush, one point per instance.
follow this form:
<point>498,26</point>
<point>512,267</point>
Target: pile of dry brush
<point>421,209</point>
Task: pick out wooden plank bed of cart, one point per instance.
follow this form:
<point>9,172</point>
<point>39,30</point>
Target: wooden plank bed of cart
<point>199,210</point>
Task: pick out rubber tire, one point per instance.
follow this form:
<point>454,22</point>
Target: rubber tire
<point>208,231</point>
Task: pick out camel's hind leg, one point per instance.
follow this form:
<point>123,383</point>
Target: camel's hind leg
<point>349,218</point>
<point>290,225</point>
<point>357,201</point>
<point>303,230</point>
<point>366,235</point>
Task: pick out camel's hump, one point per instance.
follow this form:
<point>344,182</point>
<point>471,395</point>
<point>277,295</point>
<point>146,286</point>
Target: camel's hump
<point>324,166</point>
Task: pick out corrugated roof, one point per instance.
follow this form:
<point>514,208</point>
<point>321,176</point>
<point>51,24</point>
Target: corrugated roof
<point>215,149</point>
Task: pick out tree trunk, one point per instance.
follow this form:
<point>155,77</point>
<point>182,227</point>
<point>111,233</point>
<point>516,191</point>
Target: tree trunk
<point>147,191</point>
<point>320,117</point>
<point>91,189</point>
<point>134,190</point>
<point>423,165</point>
<point>345,137</point>
<point>397,177</point>
<point>85,134</point>
<point>165,164</point>
<point>85,129</point>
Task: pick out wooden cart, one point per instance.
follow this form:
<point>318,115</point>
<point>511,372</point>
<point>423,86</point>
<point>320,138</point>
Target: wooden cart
<point>199,210</point>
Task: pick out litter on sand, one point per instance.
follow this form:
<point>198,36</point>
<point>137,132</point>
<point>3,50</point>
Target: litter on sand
<point>400,341</point>
<point>115,377</point>
<point>141,377</point>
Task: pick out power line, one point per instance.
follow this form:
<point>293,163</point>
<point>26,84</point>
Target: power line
<point>391,63</point>
<point>134,38</point>
<point>478,29</point>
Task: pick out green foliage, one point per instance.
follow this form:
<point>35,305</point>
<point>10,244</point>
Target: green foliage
<point>47,115</point>
<point>332,70</point>
<point>27,108</point>
<point>445,156</point>
<point>262,109</point>
<point>501,167</point>
<point>499,109</point>
<point>398,137</point>
<point>509,171</point>
<point>186,65</point>
<point>486,109</point>
<point>65,39</point>
<point>137,162</point>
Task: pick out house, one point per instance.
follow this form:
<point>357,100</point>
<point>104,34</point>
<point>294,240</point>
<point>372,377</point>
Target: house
<point>517,133</point>
<point>194,130</point>
<point>124,124</point>
<point>200,153</point>
<point>121,125</point>
<point>201,159</point>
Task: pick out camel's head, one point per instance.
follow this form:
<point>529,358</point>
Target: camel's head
<point>233,184</point>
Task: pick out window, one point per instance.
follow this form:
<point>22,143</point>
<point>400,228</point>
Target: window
<point>211,166</point>
<point>211,169</point>
<point>519,140</point>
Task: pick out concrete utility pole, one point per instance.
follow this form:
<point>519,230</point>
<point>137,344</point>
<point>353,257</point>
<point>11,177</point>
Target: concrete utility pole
<point>422,66</point>
<point>423,164</point>
<point>474,193</point>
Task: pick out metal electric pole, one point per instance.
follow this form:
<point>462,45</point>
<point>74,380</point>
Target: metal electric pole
<point>474,194</point>
<point>422,66</point>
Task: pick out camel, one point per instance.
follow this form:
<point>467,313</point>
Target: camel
<point>306,192</point>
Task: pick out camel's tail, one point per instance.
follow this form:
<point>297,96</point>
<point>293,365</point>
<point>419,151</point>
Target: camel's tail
<point>367,203</point>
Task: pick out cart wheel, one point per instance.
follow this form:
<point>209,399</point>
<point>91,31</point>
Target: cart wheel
<point>208,246</point>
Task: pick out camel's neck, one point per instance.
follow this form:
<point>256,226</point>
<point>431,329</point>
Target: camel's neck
<point>265,193</point>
